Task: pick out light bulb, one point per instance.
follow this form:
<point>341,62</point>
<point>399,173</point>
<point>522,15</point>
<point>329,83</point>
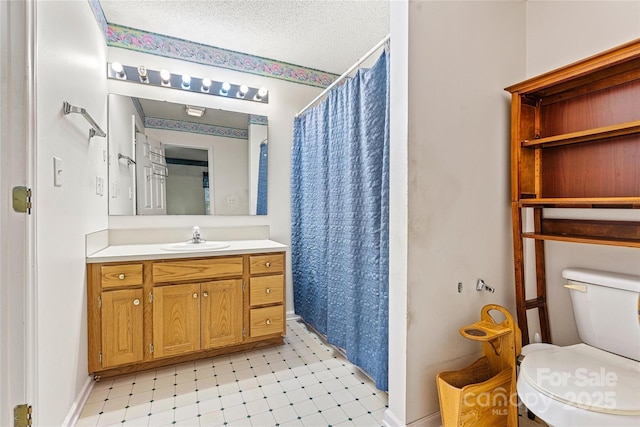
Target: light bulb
<point>225,88</point>
<point>118,69</point>
<point>186,81</point>
<point>165,75</point>
<point>262,92</point>
<point>206,84</point>
<point>243,91</point>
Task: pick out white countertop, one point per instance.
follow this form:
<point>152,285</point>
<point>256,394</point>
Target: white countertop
<point>155,251</point>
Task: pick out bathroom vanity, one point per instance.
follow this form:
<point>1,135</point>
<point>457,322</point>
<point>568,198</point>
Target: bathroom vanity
<point>149,307</point>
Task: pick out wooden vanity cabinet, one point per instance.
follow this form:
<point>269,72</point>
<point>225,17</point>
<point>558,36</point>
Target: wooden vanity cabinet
<point>266,295</point>
<point>153,313</point>
<point>115,315</point>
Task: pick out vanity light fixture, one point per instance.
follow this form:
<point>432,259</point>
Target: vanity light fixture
<point>206,85</point>
<point>118,69</point>
<point>186,82</point>
<point>194,111</point>
<point>165,77</point>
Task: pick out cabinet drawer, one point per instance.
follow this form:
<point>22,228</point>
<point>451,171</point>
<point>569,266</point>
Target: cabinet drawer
<point>273,263</point>
<point>266,321</point>
<point>210,268</point>
<point>266,290</point>
<point>113,276</point>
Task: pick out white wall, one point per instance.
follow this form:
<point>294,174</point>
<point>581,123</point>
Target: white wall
<point>459,57</point>
<point>461,54</point>
<point>70,65</point>
<point>558,33</point>
<point>285,100</point>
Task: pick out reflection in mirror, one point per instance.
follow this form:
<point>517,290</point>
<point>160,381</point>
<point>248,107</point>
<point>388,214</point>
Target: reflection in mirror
<point>175,159</point>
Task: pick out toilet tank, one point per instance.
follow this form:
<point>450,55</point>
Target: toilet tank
<point>606,309</point>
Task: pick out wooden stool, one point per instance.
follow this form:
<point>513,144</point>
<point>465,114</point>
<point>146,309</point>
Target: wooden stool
<point>484,393</point>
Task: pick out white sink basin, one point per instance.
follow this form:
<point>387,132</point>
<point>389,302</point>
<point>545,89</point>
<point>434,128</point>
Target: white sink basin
<point>206,245</point>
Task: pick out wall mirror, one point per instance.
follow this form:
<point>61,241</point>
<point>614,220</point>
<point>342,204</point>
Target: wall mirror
<point>167,158</point>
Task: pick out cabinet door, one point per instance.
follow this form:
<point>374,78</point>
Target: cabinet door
<point>176,319</point>
<point>221,313</point>
<point>122,340</point>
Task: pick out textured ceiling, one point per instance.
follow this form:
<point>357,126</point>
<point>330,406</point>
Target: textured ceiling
<point>326,35</point>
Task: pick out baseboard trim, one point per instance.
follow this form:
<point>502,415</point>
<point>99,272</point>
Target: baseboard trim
<point>76,409</point>
<point>291,315</point>
<point>391,420</point>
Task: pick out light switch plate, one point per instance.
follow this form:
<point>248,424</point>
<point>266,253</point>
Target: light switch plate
<point>57,172</point>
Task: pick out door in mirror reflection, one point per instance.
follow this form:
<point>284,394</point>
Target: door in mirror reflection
<point>151,174</point>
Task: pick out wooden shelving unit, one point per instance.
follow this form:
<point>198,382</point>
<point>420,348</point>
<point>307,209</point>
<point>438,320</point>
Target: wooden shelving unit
<point>575,143</point>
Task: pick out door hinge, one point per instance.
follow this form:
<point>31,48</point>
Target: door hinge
<point>99,302</point>
<point>22,199</point>
<point>150,297</point>
<point>244,334</point>
<point>22,415</point>
<point>151,348</point>
<point>100,358</point>
<point>244,286</point>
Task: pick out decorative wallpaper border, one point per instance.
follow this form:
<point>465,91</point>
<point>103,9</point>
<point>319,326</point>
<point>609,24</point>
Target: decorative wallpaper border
<point>255,119</point>
<point>191,127</point>
<point>99,14</point>
<point>172,47</point>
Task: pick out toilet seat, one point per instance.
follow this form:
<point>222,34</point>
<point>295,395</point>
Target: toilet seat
<point>580,385</point>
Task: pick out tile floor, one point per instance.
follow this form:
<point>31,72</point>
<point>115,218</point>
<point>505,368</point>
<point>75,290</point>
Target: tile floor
<point>303,382</point>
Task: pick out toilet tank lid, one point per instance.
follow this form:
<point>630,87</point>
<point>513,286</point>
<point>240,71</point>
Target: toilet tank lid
<point>627,282</point>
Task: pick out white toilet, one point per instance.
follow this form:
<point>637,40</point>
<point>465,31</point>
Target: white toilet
<point>596,383</point>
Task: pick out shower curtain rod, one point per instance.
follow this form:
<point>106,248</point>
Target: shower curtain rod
<point>346,73</point>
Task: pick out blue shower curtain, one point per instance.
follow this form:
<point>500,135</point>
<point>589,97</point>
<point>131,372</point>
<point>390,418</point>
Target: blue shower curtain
<point>261,206</point>
<point>340,218</point>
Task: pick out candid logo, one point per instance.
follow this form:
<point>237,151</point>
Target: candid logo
<point>585,387</point>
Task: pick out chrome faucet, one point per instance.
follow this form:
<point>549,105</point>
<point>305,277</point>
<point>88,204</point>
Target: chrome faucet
<point>196,238</point>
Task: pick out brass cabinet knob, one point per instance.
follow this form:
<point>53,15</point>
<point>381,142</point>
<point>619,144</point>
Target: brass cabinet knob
<point>268,290</point>
<point>195,295</point>
<point>268,264</point>
<point>205,294</point>
<point>121,276</point>
<point>268,321</point>
<point>136,301</point>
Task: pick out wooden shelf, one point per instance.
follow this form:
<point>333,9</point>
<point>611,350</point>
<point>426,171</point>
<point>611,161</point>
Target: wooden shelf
<point>588,114</point>
<point>621,129</point>
<point>618,202</point>
<point>584,239</point>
